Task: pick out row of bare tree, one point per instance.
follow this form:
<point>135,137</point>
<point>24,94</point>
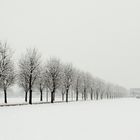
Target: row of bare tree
<point>54,76</point>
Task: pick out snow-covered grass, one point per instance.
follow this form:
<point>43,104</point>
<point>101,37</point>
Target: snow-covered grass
<point>21,100</point>
<point>117,119</point>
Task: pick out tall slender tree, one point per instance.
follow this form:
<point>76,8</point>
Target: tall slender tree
<point>68,75</point>
<point>23,81</point>
<point>77,83</point>
<point>30,64</point>
<point>41,82</point>
<point>53,76</point>
<point>7,71</point>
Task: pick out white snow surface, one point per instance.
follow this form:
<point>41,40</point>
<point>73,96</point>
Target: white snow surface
<point>117,119</point>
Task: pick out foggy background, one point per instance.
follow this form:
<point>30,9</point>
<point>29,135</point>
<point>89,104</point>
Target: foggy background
<point>99,36</point>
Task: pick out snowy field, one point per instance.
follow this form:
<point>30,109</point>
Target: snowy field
<point>117,119</point>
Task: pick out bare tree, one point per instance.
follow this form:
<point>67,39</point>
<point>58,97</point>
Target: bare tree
<point>68,74</point>
<point>62,89</point>
<point>7,72</point>
<point>23,82</point>
<point>77,83</point>
<point>85,85</point>
<point>91,86</point>
<point>41,82</point>
<point>53,74</point>
<point>97,88</point>
<point>30,64</point>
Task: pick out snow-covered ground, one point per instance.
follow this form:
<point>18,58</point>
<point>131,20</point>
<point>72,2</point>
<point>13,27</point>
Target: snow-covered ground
<point>20,100</point>
<point>117,119</point>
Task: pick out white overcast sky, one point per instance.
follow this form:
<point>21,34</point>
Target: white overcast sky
<point>99,36</point>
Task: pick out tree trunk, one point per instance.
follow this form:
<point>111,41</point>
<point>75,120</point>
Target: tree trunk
<point>108,95</point>
<point>26,96</point>
<point>77,93</point>
<point>52,96</point>
<point>46,95</point>
<point>67,91</point>
<point>41,95</point>
<point>97,95</point>
<point>30,89</point>
<point>85,95</point>
<point>91,94</point>
<point>62,96</point>
<point>30,96</point>
<point>101,96</point>
<point>5,96</point>
<point>72,95</point>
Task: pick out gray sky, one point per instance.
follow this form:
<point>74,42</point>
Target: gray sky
<point>99,36</point>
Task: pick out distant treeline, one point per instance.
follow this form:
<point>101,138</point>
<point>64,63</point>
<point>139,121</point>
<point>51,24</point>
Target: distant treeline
<point>53,76</point>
